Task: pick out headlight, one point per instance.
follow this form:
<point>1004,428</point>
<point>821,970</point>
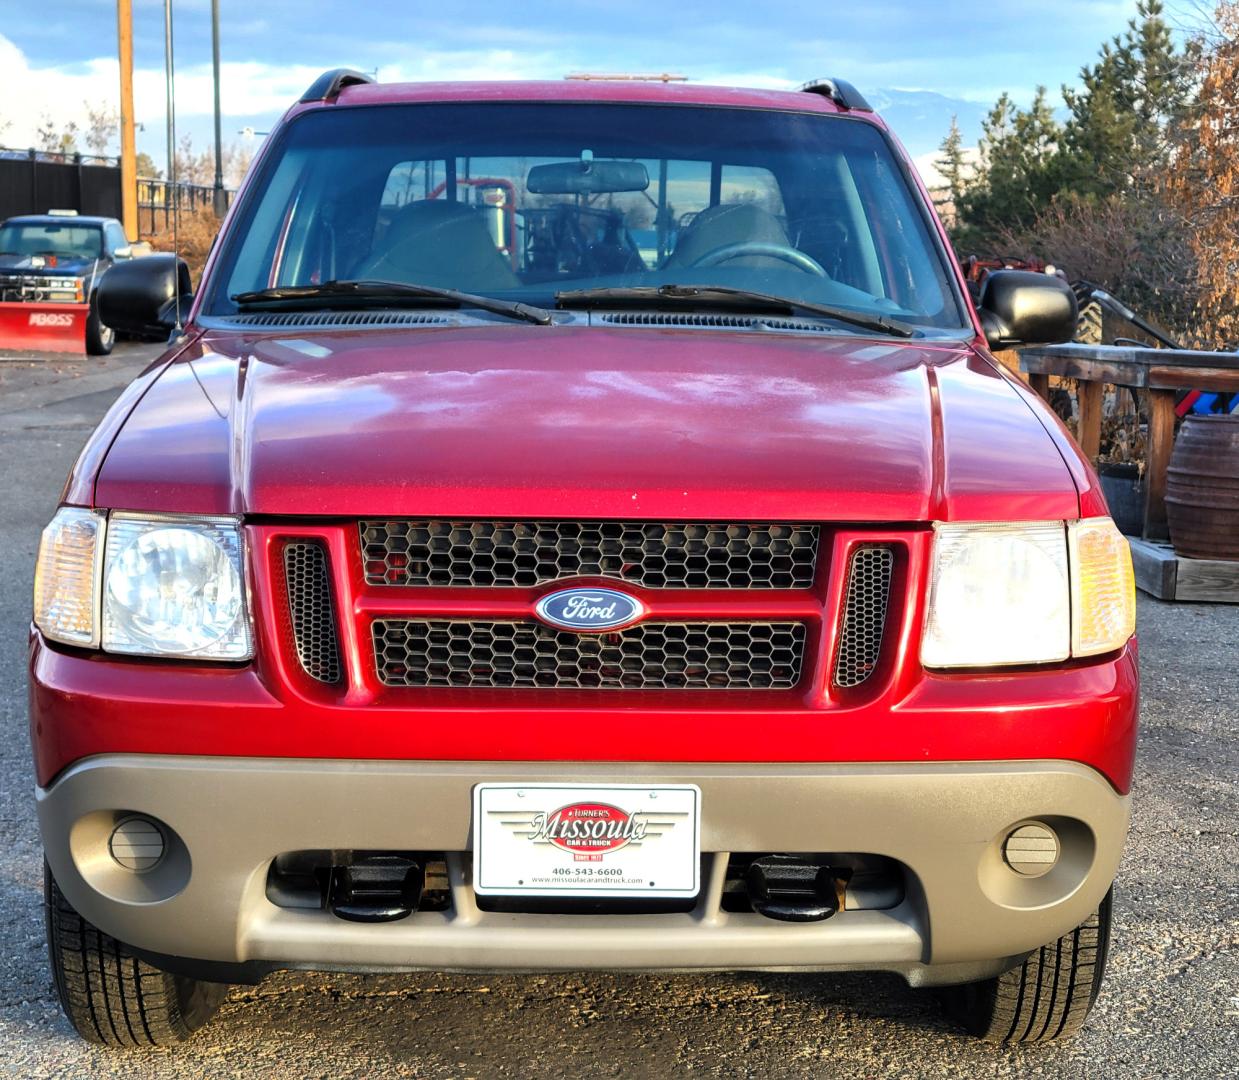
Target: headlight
<point>998,594</point>
<point>175,587</point>
<point>144,584</point>
<point>66,577</point>
<point>1027,593</point>
<point>73,285</point>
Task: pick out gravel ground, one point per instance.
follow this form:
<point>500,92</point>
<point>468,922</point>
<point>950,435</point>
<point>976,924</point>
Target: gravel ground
<point>1170,1006</point>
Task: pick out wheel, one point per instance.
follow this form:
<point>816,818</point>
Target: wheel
<point>99,338</point>
<point>109,995</point>
<point>1048,996</point>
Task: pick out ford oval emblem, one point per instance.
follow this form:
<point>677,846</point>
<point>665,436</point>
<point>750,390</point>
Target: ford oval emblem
<point>588,610</point>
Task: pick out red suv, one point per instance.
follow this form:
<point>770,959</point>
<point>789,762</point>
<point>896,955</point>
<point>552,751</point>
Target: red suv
<point>581,526</point>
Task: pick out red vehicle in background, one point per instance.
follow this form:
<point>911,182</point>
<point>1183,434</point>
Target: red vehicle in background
<point>581,525</point>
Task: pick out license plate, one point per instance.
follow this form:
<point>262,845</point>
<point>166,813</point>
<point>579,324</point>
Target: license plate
<point>621,840</point>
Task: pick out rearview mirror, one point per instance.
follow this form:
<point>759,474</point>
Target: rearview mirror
<point>1020,307</point>
<point>139,296</point>
<point>587,177</point>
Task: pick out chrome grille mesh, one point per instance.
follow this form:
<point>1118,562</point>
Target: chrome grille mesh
<point>656,555</point>
<point>863,624</point>
<point>662,656</point>
<point>311,610</point>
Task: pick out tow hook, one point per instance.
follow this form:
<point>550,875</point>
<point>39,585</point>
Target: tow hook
<point>375,888</point>
<point>790,889</point>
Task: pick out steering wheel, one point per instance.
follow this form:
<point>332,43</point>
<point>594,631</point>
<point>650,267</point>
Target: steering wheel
<point>787,254</point>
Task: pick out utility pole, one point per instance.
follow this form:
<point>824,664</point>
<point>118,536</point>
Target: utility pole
<point>221,203</point>
<point>128,156</point>
<point>169,77</point>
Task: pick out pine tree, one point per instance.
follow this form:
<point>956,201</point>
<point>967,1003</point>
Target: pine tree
<point>1116,141</point>
<point>1017,175</point>
<point>1127,107</point>
<point>951,166</point>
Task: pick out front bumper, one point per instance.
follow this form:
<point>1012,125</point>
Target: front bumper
<point>964,914</point>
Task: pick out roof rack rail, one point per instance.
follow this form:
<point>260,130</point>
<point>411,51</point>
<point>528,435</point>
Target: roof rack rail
<point>625,76</point>
<point>842,93</point>
<point>330,83</point>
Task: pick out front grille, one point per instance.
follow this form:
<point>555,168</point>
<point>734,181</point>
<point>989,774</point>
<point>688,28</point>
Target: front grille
<point>655,555</point>
<point>311,611</point>
<point>864,614</point>
<point>649,656</point>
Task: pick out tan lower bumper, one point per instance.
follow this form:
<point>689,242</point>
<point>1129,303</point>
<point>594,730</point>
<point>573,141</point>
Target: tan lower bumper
<point>944,822</point>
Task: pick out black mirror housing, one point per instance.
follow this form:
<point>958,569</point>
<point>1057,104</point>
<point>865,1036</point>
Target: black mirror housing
<point>139,296</point>
<point>1020,307</point>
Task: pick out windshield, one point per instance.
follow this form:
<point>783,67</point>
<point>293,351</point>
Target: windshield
<point>523,201</point>
<point>66,241</point>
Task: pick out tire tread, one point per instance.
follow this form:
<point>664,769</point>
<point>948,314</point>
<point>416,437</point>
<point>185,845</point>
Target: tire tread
<point>111,996</point>
<point>1049,995</point>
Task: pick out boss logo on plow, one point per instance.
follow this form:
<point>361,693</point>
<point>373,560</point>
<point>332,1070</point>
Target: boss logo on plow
<point>49,318</point>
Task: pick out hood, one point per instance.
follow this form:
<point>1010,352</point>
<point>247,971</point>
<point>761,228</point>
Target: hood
<point>576,421</point>
<point>66,266</point>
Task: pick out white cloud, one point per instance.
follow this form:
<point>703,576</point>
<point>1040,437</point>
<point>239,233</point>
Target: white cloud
<point>247,89</point>
<point>250,89</point>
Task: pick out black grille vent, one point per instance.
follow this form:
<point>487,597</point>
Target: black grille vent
<point>649,656</point>
<point>655,555</point>
<point>720,322</point>
<point>311,611</point>
<point>340,318</point>
<point>864,614</point>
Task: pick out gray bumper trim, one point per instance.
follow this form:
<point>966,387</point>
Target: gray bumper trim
<point>964,912</point>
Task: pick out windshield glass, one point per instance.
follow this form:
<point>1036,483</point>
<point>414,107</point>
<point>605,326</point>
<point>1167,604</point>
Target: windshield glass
<point>67,241</point>
<point>522,201</point>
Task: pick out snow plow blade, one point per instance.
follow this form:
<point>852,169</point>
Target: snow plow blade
<point>43,327</point>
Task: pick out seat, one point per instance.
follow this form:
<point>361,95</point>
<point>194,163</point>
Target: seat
<point>446,244</point>
<point>724,225</point>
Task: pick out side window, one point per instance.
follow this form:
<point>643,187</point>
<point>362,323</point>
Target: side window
<point>114,235</point>
<point>911,276</point>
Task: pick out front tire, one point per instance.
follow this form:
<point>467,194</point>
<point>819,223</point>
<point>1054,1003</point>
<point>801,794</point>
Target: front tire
<point>110,996</point>
<point>99,338</point>
<point>1048,996</point>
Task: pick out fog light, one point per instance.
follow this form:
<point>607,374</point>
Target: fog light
<point>1031,850</point>
<point>136,844</point>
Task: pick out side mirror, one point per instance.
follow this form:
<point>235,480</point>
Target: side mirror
<point>139,296</point>
<point>1020,307</point>
<point>125,252</point>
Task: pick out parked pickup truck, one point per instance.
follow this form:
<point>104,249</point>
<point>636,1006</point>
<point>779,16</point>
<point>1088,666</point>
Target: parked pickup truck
<point>581,526</point>
<point>51,266</point>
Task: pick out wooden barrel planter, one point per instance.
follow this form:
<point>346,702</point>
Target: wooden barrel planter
<point>1202,488</point>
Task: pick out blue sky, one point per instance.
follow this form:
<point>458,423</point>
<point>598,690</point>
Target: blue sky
<point>967,52</point>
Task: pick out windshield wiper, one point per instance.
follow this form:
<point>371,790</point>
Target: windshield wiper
<point>737,299</point>
<point>391,291</point>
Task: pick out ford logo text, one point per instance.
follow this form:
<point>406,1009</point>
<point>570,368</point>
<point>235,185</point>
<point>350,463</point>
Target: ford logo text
<point>589,609</point>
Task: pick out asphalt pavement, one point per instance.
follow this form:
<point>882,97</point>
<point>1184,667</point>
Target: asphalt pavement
<point>1170,1006</point>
